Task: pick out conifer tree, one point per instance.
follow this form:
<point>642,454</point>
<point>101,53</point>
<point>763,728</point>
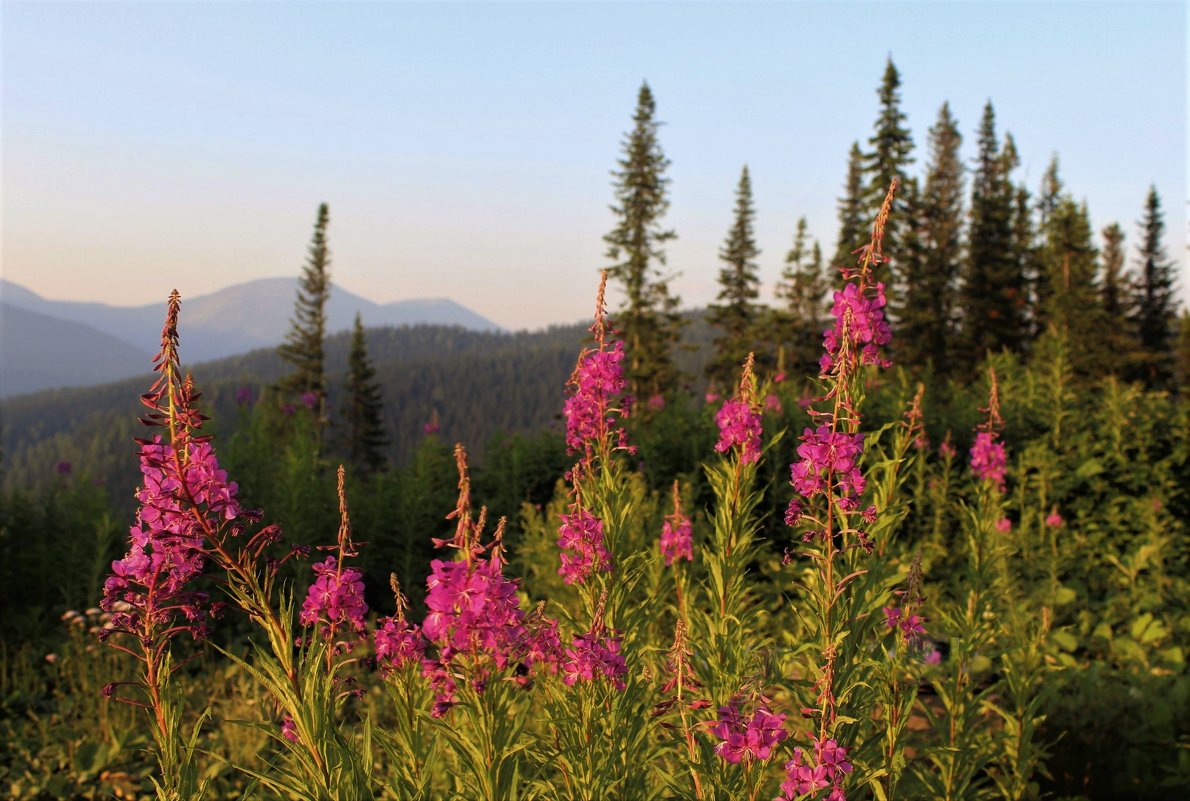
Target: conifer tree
<point>1024,254</point>
<point>303,346</point>
<point>736,314</point>
<point>366,438</point>
<point>993,296</point>
<point>931,274</point>
<point>1116,290</point>
<point>648,319</point>
<point>852,212</point>
<point>891,145</point>
<point>1072,303</point>
<point>801,314</point>
<point>1116,295</point>
<point>1155,305</point>
<point>1050,192</point>
<point>1182,358</point>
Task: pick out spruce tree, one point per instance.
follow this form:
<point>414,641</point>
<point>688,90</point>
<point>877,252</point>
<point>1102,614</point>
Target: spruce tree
<point>853,219</point>
<point>993,296</point>
<point>1182,357</point>
<point>1155,305</point>
<point>1116,295</point>
<point>801,313</point>
<point>1072,304</point>
<point>1050,192</point>
<point>303,346</point>
<point>1024,255</point>
<point>1116,288</point>
<point>736,314</point>
<point>648,319</point>
<point>366,438</point>
<point>891,145</point>
<point>931,274</point>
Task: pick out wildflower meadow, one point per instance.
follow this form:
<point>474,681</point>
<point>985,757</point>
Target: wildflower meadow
<point>854,584</point>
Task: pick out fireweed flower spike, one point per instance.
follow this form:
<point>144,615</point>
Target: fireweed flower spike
<point>184,497</point>
<point>747,739</point>
<point>335,601</point>
<point>739,419</point>
<point>677,533</point>
<point>989,462</point>
<point>595,654</point>
<point>829,485</point>
<point>474,617</point>
<point>398,643</point>
<point>596,405</point>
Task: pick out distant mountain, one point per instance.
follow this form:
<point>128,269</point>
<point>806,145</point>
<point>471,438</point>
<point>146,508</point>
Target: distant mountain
<point>231,321</point>
<point>38,352</point>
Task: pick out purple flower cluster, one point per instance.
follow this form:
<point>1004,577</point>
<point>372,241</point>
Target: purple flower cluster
<point>336,598</point>
<point>598,381</point>
<point>181,500</point>
<point>398,643</point>
<point>473,610</point>
<point>594,654</point>
<point>827,770</point>
<point>860,324</point>
<point>747,739</point>
<point>830,458</point>
<point>580,538</point>
<point>909,623</point>
<point>988,459</point>
<point>739,427</point>
<point>677,539</point>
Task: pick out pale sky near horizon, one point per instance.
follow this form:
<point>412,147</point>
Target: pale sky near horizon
<point>465,149</point>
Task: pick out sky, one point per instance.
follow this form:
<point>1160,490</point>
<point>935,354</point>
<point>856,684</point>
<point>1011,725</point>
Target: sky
<point>465,150</point>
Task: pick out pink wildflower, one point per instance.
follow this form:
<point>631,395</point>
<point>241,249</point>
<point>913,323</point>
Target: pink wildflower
<point>712,397</point>
<point>772,404</point>
<point>474,610</point>
<point>677,533</point>
<point>988,460</point>
<point>289,729</point>
<point>397,644</point>
<point>750,739</point>
<point>1054,520</point>
<point>583,551</point>
<point>827,769</point>
<point>1004,525</point>
<point>859,318</point>
<point>829,457</point>
<point>592,655</point>
<point>597,383</point>
<point>739,427</point>
<point>336,598</point>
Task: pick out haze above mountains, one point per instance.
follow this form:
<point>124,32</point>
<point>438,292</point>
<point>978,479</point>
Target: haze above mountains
<point>46,344</point>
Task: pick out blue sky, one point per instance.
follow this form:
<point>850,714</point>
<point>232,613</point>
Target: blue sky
<point>465,149</point>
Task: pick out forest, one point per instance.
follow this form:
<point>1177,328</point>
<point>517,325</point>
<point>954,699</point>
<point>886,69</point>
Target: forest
<point>916,529</point>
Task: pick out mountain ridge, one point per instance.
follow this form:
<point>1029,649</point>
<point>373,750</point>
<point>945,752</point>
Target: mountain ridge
<point>228,322</point>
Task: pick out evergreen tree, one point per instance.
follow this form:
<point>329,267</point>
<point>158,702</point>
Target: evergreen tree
<point>649,319</point>
<point>993,295</point>
<point>366,438</point>
<point>1182,364</point>
<point>1116,299</point>
<point>737,313</point>
<point>303,346</point>
<point>853,221</point>
<point>1024,254</point>
<point>1116,290</point>
<point>1155,305</point>
<point>931,273</point>
<point>891,145</point>
<point>1050,192</point>
<point>800,317</point>
<point>1072,304</point>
